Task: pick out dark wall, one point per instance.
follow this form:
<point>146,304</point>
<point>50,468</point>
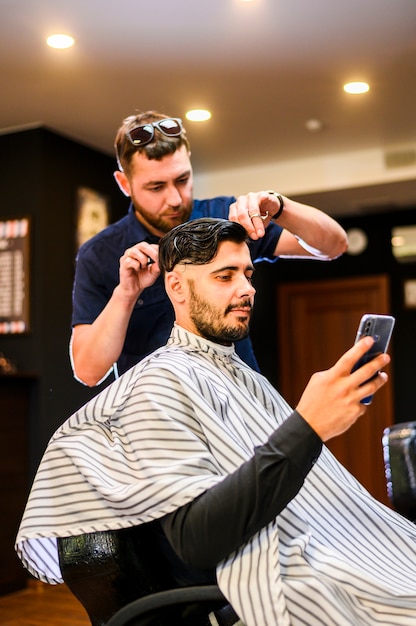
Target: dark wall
<point>39,177</point>
<point>376,259</point>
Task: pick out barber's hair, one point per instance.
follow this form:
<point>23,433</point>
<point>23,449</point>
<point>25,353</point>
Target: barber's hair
<point>160,146</point>
<point>197,242</point>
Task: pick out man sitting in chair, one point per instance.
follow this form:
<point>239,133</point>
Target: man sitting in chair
<point>241,485</point>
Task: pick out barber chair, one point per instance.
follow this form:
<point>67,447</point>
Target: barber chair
<point>132,576</point>
<point>157,608</point>
<point>399,451</point>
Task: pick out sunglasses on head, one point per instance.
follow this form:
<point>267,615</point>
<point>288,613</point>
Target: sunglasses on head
<point>141,135</point>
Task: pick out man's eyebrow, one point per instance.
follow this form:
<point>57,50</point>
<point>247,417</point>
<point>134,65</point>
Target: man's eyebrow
<point>151,183</point>
<point>185,173</point>
<point>233,268</point>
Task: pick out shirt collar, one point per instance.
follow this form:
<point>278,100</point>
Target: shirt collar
<point>180,336</point>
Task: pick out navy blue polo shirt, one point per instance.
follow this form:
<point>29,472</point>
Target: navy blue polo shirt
<point>97,275</point>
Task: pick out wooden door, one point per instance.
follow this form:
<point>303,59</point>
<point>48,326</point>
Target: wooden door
<point>317,323</point>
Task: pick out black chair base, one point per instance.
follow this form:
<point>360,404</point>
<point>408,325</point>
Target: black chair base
<point>157,608</point>
<point>107,571</point>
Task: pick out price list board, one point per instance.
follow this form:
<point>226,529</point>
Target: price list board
<point>14,276</point>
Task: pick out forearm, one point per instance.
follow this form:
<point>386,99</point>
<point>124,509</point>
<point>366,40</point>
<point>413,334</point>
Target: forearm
<point>212,526</point>
<point>317,229</point>
<point>95,347</point>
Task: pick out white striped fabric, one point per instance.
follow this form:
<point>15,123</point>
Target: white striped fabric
<point>171,428</point>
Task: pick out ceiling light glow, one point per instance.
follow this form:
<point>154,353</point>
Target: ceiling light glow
<point>356,87</point>
<point>198,115</point>
<point>60,41</point>
<point>314,125</point>
<point>398,241</point>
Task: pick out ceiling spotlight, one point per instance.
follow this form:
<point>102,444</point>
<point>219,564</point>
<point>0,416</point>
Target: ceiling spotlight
<point>356,87</point>
<point>198,115</point>
<point>314,125</point>
<point>60,41</point>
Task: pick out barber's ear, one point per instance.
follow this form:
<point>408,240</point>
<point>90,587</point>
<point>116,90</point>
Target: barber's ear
<point>174,285</point>
<point>122,182</point>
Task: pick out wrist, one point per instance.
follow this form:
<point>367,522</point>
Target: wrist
<point>281,204</point>
<point>126,298</point>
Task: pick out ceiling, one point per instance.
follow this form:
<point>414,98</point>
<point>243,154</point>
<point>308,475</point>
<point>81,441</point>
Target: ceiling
<point>263,68</point>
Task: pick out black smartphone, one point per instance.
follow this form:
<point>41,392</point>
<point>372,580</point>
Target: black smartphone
<point>380,327</point>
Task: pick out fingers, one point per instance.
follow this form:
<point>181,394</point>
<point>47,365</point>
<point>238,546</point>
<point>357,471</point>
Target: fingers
<point>141,257</point>
<point>331,403</point>
<point>139,269</point>
<point>247,212</point>
<point>367,379</point>
<point>348,360</point>
<point>369,388</point>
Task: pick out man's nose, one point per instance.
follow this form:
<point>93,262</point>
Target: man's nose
<point>173,198</point>
<point>246,287</point>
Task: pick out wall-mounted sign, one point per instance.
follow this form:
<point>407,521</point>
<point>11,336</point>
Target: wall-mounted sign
<point>93,214</point>
<point>14,276</point>
<point>409,289</point>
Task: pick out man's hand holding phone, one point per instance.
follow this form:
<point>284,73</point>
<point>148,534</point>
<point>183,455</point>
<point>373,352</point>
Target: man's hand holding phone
<point>331,402</point>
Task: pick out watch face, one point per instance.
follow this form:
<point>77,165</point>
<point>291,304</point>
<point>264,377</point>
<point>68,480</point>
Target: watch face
<point>357,241</point>
<point>93,214</point>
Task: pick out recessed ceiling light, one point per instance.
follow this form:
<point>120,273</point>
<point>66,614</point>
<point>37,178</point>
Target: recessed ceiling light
<point>198,115</point>
<point>60,41</point>
<point>356,87</point>
<point>314,125</point>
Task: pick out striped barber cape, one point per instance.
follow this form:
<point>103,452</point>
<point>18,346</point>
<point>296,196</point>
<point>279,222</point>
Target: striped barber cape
<point>172,427</point>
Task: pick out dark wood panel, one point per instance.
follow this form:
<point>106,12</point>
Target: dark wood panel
<point>15,394</point>
<point>318,321</point>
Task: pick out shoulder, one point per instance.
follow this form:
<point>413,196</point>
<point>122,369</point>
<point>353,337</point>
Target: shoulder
<point>212,207</point>
<point>169,361</point>
<point>188,373</point>
<point>111,233</point>
<point>173,365</point>
<point>113,240</point>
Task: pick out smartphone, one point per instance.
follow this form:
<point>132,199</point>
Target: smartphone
<point>380,327</point>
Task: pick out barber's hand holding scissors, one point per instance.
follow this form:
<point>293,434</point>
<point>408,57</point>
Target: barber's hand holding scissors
<point>254,211</point>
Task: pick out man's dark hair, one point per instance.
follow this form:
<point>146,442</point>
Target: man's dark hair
<point>197,242</point>
<point>159,147</point>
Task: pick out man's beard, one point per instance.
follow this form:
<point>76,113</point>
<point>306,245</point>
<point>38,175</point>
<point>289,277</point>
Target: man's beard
<point>160,223</point>
<point>211,322</point>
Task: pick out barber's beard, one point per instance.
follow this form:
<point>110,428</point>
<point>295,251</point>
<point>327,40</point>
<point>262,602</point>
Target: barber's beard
<point>162,223</point>
<point>211,321</point>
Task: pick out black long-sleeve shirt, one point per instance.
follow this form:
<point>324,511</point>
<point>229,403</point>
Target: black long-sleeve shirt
<point>207,529</point>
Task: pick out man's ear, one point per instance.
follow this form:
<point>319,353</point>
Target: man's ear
<point>122,182</point>
<point>174,285</point>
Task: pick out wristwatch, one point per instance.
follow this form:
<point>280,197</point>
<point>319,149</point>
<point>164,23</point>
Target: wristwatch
<point>281,204</point>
